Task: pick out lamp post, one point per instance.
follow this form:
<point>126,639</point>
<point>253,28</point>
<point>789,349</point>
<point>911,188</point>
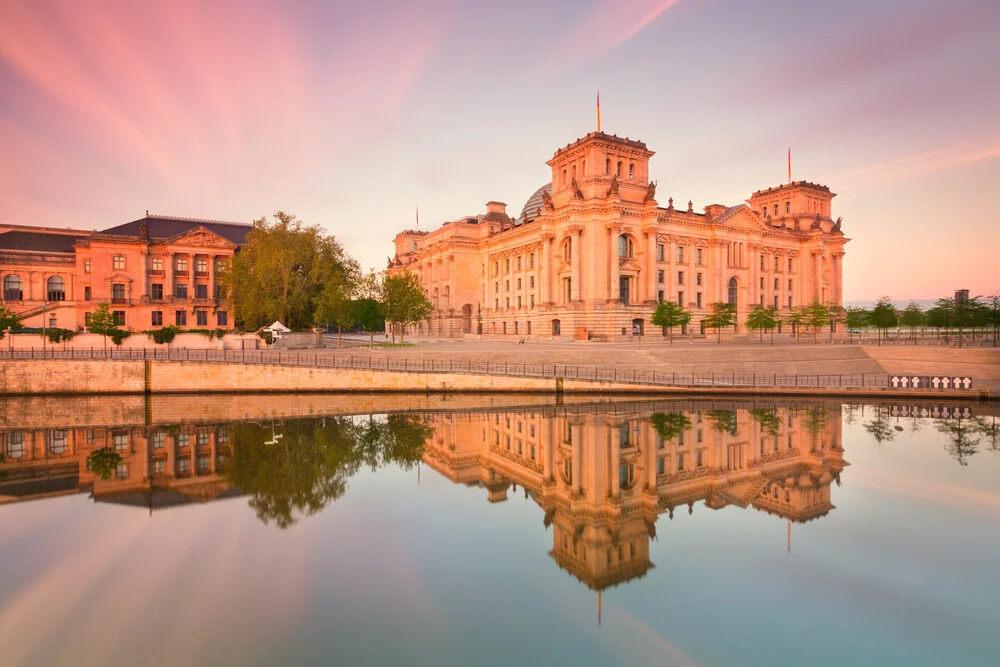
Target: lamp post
<point>479,319</point>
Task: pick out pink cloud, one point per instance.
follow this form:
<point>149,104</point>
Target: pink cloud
<point>927,162</point>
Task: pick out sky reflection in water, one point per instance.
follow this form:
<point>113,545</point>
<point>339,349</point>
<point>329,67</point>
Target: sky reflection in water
<point>714,533</point>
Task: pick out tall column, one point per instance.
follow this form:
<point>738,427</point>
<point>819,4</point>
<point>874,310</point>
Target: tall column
<point>144,268</point>
<point>615,457</point>
<point>451,282</point>
<point>211,277</point>
<point>818,274</point>
<point>169,263</point>
<point>838,278</point>
<point>577,448</point>
<point>615,276</point>
<point>577,286</point>
<point>546,268</point>
<point>651,265</point>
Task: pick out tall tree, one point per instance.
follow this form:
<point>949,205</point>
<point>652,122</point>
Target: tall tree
<point>8,320</point>
<point>669,315</point>
<point>796,317</point>
<point>335,304</point>
<point>913,316</point>
<point>857,319</point>
<point>761,319</point>
<point>404,300</point>
<point>281,270</point>
<point>884,316</point>
<point>815,316</point>
<point>102,323</point>
<point>723,315</point>
<point>370,316</point>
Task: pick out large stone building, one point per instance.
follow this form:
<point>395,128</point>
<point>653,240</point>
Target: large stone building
<point>153,272</point>
<point>593,252</point>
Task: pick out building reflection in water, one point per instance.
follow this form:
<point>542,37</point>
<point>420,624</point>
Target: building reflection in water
<point>602,475</point>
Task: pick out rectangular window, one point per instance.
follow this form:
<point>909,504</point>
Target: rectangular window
<point>201,318</point>
<point>181,291</point>
<point>789,264</point>
<point>775,283</point>
<point>518,263</point>
<point>182,264</point>
<point>201,291</point>
<point>680,299</point>
<point>531,261</point>
<point>159,439</point>
<point>659,296</point>
<point>789,302</point>
<point>762,283</point>
<point>531,282</point>
<point>86,293</point>
<point>86,320</point>
<point>222,318</point>
<point>776,260</point>
<point>762,262</point>
<point>119,318</point>
<point>118,262</point>
<point>120,440</point>
<point>507,304</point>
<point>680,461</point>
<point>506,286</point>
<point>156,291</point>
<point>698,255</point>
<point>86,266</point>
<point>775,300</point>
<point>659,277</point>
<point>698,299</point>
<point>159,466</point>
<point>698,279</point>
<point>203,438</point>
<point>201,265</point>
<point>518,302</point>
<point>221,436</point>
<point>156,318</point>
<point>122,470</point>
<point>680,254</point>
<point>531,302</point>
<point>518,283</point>
<point>183,439</point>
<point>659,466</point>
<point>118,291</point>
<point>680,277</point>
<point>659,252</point>
<point>156,264</point>
<point>789,285</point>
<point>181,318</point>
<point>183,466</point>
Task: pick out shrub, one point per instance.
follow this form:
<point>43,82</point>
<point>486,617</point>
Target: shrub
<point>118,335</point>
<point>164,335</point>
<point>59,335</point>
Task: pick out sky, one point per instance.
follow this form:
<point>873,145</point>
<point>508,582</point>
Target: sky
<point>351,115</point>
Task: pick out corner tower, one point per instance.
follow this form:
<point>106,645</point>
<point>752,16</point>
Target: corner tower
<point>593,162</point>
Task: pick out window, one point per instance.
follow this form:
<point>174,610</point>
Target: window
<point>159,466</point>
<point>697,255</point>
<point>201,291</point>
<point>220,292</point>
<point>776,209</point>
<point>119,318</point>
<point>518,283</point>
<point>762,262</point>
<point>201,265</point>
<point>776,260</point>
<point>659,296</point>
<point>201,318</point>
<point>788,207</point>
<point>118,262</point>
<point>789,285</point>
<point>90,436</point>
<point>775,300</point>
<point>531,261</point>
<point>659,278</point>
<point>506,266</point>
<point>680,299</point>
<point>181,318</point>
<point>222,318</point>
<point>531,282</point>
<point>203,462</point>
<point>625,247</point>
<point>183,466</point>
<point>762,283</point>
<point>203,438</point>
<point>659,466</point>
<point>159,439</point>
<point>619,169</point>
<point>181,291</point>
<point>57,442</point>
<point>789,301</point>
<point>698,299</point>
<point>156,264</point>
<point>86,266</point>
<point>120,441</point>
<point>607,167</point>
<point>12,289</point>
<point>631,171</point>
<point>118,292</point>
<point>156,318</point>
<point>183,439</point>
<point>531,304</point>
<point>156,291</point>
<point>506,304</point>
<point>789,264</point>
<point>732,290</point>
<point>775,283</point>
<point>517,263</point>
<point>86,293</point>
<point>86,320</point>
<point>221,436</point>
<point>680,277</point>
<point>680,254</point>
<point>680,461</point>
<point>15,445</point>
<point>518,304</point>
<point>698,278</point>
<point>121,470</point>
<point>56,289</point>
<point>568,250</point>
<point>506,286</point>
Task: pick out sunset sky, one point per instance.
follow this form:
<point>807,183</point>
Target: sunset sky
<point>351,114</point>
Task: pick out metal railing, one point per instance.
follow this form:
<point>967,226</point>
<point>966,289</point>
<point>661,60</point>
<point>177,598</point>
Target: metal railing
<point>404,364</point>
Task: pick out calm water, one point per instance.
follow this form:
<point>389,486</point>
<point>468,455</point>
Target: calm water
<point>497,531</point>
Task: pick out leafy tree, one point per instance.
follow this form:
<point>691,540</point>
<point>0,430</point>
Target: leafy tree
<point>963,435</point>
<point>335,304</point>
<point>857,319</point>
<point>768,418</point>
<point>994,316</point>
<point>884,316</point>
<point>404,300</point>
<point>281,271</point>
<point>102,323</point>
<point>103,462</point>
<point>761,318</point>
<point>670,425</point>
<point>370,316</point>
<point>879,427</point>
<point>913,316</point>
<point>724,421</point>
<point>990,429</point>
<point>398,440</point>
<point>8,320</point>
<point>723,315</point>
<point>796,317</point>
<point>164,335</point>
<point>978,314</point>
<point>815,316</point>
<point>669,315</point>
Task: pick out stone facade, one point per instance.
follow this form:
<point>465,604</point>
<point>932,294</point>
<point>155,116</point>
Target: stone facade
<point>593,252</point>
<point>153,272</point>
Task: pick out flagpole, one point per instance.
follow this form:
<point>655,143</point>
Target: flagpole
<point>598,111</point>
<point>789,165</point>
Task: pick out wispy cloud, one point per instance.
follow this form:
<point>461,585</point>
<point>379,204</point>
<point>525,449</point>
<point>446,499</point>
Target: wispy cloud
<point>918,164</point>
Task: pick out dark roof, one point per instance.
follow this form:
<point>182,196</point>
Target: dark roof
<point>164,227</point>
<point>39,241</point>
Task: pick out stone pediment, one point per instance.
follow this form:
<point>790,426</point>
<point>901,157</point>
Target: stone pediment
<point>628,265</point>
<point>741,217</point>
<point>202,238</point>
<point>118,278</point>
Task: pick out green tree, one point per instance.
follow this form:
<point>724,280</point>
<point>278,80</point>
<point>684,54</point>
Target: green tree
<point>404,300</point>
<point>913,316</point>
<point>768,418</point>
<point>994,316</point>
<point>879,427</point>
<point>8,320</point>
<point>669,315</point>
<point>335,303</point>
<point>723,315</point>
<point>281,271</point>
<point>103,462</point>
<point>102,323</point>
<point>723,421</point>
<point>761,319</point>
<point>963,436</point>
<point>857,319</point>
<point>795,317</point>
<point>884,316</point>
<point>815,316</point>
<point>977,314</point>
<point>370,316</point>
<point>670,425</point>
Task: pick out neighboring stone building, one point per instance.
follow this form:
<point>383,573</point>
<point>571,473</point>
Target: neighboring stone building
<point>153,272</point>
<point>593,252</point>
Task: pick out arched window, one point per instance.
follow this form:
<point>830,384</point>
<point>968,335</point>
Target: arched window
<point>619,168</point>
<point>15,445</point>
<point>564,177</point>
<point>574,171</point>
<point>568,250</point>
<point>12,289</point>
<point>776,209</point>
<point>631,171</point>
<point>732,290</point>
<point>788,207</point>
<point>607,167</point>
<point>57,289</point>
<point>625,247</point>
<point>584,168</point>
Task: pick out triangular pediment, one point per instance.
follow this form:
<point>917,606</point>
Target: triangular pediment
<point>741,217</point>
<point>200,237</point>
<point>118,278</point>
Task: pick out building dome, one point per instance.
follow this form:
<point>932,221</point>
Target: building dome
<point>534,203</point>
